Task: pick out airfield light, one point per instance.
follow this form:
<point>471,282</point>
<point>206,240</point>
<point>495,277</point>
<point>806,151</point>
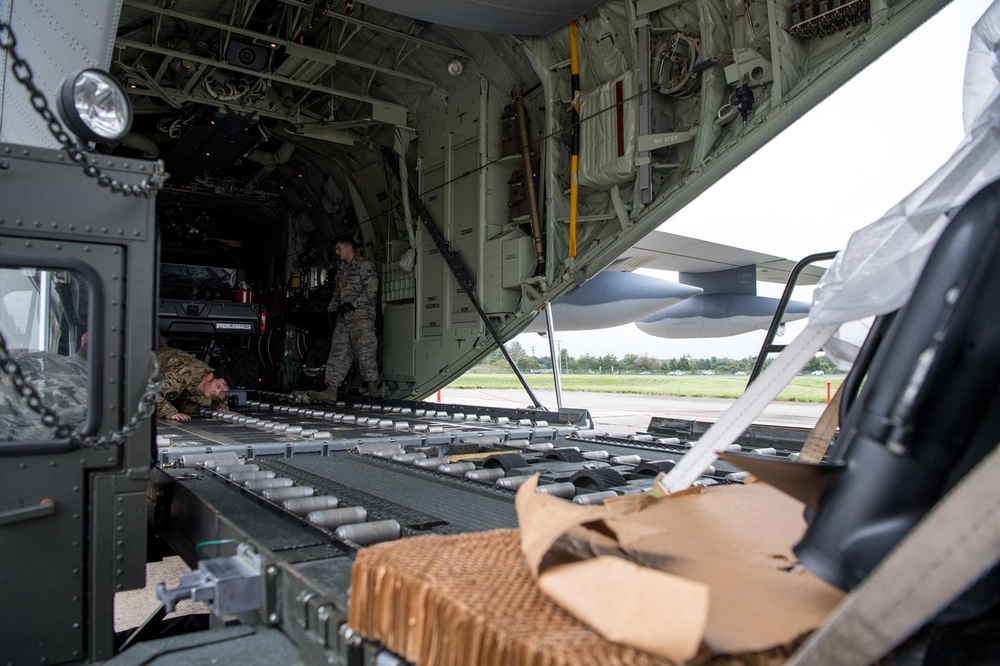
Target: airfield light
<point>94,106</point>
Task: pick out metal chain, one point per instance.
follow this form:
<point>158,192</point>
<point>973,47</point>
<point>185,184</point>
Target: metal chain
<point>22,72</point>
<point>144,410</point>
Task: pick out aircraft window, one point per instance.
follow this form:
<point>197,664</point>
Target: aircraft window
<point>44,321</point>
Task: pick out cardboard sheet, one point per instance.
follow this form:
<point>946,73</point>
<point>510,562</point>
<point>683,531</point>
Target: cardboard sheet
<point>705,572</point>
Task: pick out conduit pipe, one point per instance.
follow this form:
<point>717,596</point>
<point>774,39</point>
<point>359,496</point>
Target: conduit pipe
<point>529,181</point>
<point>142,143</point>
<point>270,161</point>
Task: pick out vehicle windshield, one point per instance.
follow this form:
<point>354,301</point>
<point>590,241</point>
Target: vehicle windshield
<point>44,323</point>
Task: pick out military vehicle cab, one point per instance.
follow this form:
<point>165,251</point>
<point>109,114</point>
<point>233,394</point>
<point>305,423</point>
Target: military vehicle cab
<point>78,339</point>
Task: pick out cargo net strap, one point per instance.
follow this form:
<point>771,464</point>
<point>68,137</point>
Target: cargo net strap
<point>471,599</point>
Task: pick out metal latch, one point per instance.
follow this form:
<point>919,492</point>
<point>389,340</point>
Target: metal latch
<point>229,585</point>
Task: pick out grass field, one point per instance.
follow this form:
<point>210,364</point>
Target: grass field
<point>802,389</point>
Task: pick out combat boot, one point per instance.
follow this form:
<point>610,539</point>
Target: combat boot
<point>328,396</point>
<point>373,389</point>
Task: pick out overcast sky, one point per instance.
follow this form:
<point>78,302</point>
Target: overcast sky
<point>834,171</point>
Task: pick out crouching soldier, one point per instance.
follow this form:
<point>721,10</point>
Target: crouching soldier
<point>188,385</point>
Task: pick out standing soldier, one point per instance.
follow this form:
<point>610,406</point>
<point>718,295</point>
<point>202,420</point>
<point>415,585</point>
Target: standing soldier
<point>188,384</point>
<point>354,293</point>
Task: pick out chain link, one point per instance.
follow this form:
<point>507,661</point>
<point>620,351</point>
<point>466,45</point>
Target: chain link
<point>22,72</point>
<point>144,410</point>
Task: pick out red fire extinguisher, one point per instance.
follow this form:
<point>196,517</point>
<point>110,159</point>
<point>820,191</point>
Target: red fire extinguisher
<point>243,293</point>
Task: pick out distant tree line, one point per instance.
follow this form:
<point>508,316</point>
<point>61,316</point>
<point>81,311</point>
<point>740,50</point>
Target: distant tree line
<point>633,364</point>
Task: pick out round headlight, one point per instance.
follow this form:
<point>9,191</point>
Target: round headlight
<point>94,106</point>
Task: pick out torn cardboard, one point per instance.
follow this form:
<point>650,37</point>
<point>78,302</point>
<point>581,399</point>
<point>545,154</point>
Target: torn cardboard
<point>471,600</point>
<point>705,572</point>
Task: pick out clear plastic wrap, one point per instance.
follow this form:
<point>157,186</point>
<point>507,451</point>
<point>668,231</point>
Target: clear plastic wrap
<point>876,271</point>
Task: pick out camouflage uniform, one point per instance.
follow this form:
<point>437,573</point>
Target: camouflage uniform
<point>356,283</point>
<point>182,373</point>
<point>62,383</point>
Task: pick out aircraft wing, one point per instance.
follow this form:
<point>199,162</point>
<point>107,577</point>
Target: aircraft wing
<point>671,252</point>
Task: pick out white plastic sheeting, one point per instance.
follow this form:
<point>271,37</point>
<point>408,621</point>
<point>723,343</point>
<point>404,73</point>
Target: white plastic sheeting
<point>877,270</point>
<point>608,134</point>
<point>982,68</point>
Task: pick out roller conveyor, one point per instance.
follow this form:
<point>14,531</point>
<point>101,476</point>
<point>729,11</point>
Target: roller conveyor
<point>443,468</point>
<point>421,501</point>
<point>407,446</point>
<point>285,495</point>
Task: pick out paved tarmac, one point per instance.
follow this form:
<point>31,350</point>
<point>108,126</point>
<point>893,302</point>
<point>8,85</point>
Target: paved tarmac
<point>624,413</point>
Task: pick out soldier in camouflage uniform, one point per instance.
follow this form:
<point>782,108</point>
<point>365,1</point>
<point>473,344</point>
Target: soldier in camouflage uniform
<point>354,295</point>
<point>188,384</point>
<point>61,383</point>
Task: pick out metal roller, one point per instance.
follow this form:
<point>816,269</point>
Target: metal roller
<point>541,446</point>
<point>765,451</point>
<point>409,457</point>
<point>337,517</point>
<point>595,498</point>
<point>365,534</point>
<point>668,441</point>
<point>565,490</point>
<point>215,463</point>
<point>596,455</point>
<point>512,482</point>
<point>456,469</point>
<point>240,477</point>
<point>737,477</point>
<point>431,463</point>
<point>485,475</point>
<point>288,492</point>
<point>226,470</point>
<point>625,460</point>
<point>257,485</point>
<point>303,505</point>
